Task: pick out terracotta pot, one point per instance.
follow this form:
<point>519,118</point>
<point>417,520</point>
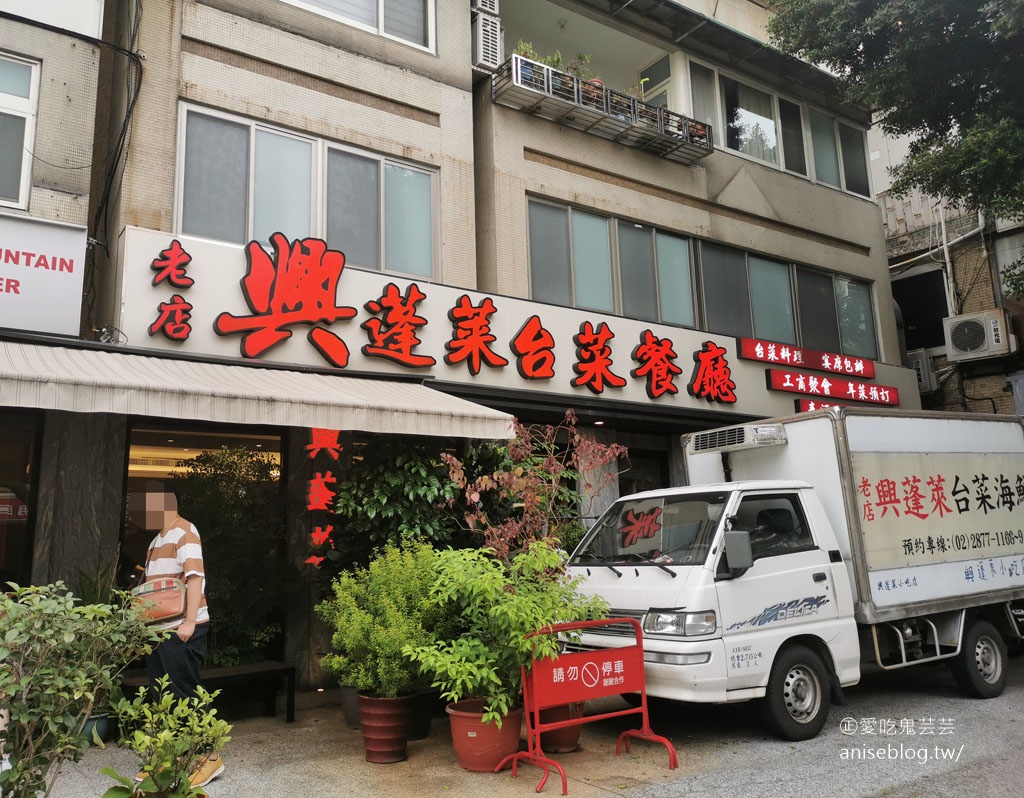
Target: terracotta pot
<point>481,746</point>
<point>565,740</point>
<point>385,726</point>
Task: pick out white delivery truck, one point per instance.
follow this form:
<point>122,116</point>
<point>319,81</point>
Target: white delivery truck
<point>805,547</point>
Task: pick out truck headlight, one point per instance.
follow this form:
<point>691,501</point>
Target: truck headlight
<point>672,622</point>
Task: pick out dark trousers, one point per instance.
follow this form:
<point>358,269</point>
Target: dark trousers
<point>180,661</point>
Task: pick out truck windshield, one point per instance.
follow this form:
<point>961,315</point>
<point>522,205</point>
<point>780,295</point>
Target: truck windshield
<point>665,530</point>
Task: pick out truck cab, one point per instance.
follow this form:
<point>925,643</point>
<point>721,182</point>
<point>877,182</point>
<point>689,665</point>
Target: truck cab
<point>741,591</point>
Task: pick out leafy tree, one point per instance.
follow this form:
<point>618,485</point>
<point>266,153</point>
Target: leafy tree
<point>397,491</point>
<point>949,73</point>
<point>537,486</point>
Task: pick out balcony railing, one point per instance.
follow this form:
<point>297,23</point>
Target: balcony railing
<point>563,98</point>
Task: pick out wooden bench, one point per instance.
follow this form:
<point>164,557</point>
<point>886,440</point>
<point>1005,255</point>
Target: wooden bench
<point>267,674</point>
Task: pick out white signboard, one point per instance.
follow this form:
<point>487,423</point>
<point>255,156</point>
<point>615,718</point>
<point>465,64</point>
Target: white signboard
<point>938,522</point>
<point>298,303</point>
<point>41,275</point>
<point>81,16</point>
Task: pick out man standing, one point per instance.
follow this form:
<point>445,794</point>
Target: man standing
<point>177,551</point>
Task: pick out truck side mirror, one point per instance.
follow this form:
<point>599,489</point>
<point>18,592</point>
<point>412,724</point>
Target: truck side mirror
<point>738,553</point>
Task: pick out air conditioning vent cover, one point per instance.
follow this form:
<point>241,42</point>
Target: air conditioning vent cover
<point>973,336</point>
<point>968,335</point>
<point>487,6</point>
<point>921,363</point>
<point>487,42</point>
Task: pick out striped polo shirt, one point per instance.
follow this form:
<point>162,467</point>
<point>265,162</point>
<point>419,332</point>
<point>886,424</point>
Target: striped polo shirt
<point>178,552</point>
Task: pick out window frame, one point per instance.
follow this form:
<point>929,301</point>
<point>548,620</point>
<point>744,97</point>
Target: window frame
<point>616,261</point>
<point>320,149</point>
<point>800,524</point>
<point>431,22</point>
<point>698,299</point>
<point>794,270</point>
<point>719,123</point>
<point>28,109</point>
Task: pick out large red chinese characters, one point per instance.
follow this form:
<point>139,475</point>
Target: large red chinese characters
<point>298,285</point>
<point>712,379</point>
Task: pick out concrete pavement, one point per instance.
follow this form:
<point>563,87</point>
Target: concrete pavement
<point>319,755</point>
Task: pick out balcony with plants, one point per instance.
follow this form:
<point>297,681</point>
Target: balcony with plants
<point>562,97</point>
<point>615,86</point>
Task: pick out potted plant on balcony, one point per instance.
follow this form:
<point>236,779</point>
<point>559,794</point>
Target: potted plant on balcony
<point>374,613</point>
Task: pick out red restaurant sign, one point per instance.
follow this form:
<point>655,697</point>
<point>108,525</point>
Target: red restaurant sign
<point>832,387</point>
<point>796,357</point>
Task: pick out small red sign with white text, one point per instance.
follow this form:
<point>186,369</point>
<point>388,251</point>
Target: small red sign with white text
<point>832,387</point>
<point>787,355</point>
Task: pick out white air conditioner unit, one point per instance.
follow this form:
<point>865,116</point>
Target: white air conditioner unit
<point>920,362</point>
<point>486,42</point>
<point>973,336</point>
<point>487,6</point>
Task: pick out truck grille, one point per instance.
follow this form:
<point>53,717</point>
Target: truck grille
<point>619,629</point>
<point>717,439</point>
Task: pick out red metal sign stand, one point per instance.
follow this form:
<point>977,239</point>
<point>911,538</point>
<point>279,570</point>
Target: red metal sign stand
<point>577,676</point>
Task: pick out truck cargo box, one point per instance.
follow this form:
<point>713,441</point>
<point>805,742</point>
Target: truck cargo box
<point>928,507</point>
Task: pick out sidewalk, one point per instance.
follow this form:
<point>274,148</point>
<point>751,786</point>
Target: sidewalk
<point>319,755</point>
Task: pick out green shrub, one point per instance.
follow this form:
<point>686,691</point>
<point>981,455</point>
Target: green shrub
<point>57,656</point>
<point>374,612</point>
<point>171,736</point>
<point>500,602</point>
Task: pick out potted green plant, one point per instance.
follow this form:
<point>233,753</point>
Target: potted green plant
<point>374,612</point>
<point>501,601</point>
<point>56,655</point>
<point>525,506</point>
<point>171,736</point>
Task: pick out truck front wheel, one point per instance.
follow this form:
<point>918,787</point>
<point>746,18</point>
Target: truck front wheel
<point>980,667</point>
<point>797,701</point>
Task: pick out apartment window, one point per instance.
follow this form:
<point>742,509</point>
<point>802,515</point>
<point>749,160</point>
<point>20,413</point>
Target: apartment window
<point>580,259</point>
<point>770,283</point>
<point>855,165</point>
<point>406,20</point>
<point>791,122</point>
<point>749,120</point>
<point>776,130</point>
<point>819,324</point>
<point>243,180</point>
<point>702,89</point>
<point>654,82</point>
<point>856,322</point>
<point>726,292</point>
<point>19,88</point>
<point>746,295</point>
<point>826,153</point>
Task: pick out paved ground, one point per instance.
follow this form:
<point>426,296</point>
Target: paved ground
<point>974,750</point>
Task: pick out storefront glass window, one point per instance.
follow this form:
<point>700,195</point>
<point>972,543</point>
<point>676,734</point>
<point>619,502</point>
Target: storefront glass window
<point>17,462</point>
<point>229,485</point>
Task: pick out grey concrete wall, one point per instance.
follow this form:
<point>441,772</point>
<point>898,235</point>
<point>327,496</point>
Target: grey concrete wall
<point>297,70</point>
